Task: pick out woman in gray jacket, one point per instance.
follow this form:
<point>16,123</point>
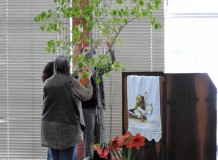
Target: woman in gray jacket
<point>60,125</point>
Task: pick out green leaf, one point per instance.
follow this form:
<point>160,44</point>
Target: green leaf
<point>89,26</point>
<point>70,57</point>
<point>141,2</point>
<point>114,13</point>
<point>42,27</point>
<point>126,21</point>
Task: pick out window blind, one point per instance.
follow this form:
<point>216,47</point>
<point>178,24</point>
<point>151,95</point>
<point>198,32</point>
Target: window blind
<point>22,59</point>
<point>142,50</point>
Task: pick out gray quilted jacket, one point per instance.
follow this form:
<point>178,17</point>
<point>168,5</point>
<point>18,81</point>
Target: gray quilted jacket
<point>60,124</point>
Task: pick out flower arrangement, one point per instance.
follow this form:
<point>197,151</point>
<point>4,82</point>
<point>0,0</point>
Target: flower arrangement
<point>119,148</point>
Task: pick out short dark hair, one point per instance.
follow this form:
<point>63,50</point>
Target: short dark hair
<point>48,70</point>
<point>62,65</point>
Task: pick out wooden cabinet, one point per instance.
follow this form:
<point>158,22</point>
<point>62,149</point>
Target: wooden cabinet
<point>189,117</point>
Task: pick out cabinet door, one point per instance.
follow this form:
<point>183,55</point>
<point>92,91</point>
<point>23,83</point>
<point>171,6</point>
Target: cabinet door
<point>190,117</point>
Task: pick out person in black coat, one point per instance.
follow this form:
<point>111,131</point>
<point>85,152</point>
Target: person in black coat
<point>93,108</point>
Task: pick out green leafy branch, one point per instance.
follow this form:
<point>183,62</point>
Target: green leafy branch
<point>109,17</point>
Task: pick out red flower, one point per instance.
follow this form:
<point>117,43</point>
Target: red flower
<point>126,135</point>
<point>126,139</point>
<point>103,150</point>
<point>137,141</point>
<point>115,144</point>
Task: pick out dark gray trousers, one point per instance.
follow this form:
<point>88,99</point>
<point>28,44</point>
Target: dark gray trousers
<point>94,128</point>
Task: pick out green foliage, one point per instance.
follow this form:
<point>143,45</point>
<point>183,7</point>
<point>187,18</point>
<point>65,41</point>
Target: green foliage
<point>110,17</point>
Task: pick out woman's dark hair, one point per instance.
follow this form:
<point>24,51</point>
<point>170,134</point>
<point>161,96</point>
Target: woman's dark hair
<point>48,70</point>
<point>62,65</point>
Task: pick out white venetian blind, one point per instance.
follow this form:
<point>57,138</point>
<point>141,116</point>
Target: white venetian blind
<point>22,58</point>
<point>142,50</point>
